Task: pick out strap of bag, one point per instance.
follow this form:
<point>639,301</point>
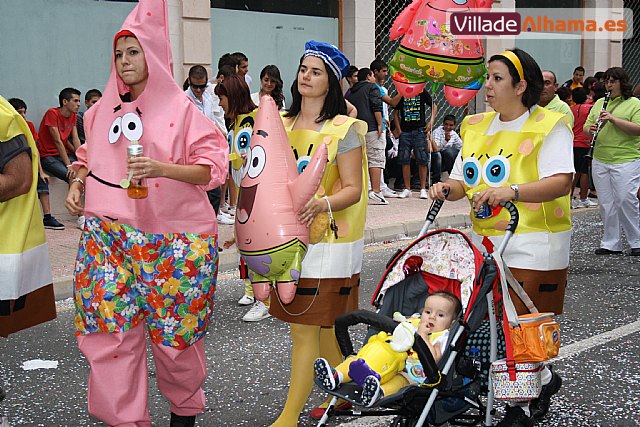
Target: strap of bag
<point>509,311</point>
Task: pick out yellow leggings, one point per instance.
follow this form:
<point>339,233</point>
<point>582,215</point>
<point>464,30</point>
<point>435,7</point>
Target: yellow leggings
<point>309,343</point>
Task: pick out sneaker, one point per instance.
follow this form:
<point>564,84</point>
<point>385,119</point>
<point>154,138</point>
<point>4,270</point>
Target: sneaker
<point>228,209</point>
<point>371,391</point>
<point>540,406</point>
<point>258,312</point>
<point>516,417</point>
<point>182,420</point>
<point>424,194</point>
<point>225,219</point>
<point>587,203</point>
<point>406,193</point>
<point>326,374</point>
<point>246,300</point>
<point>52,223</point>
<point>389,193</point>
<point>377,197</point>
<point>81,222</point>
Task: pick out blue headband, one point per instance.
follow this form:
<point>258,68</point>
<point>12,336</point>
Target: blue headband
<point>331,55</point>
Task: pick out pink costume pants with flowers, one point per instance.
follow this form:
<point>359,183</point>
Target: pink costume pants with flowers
<point>124,279</point>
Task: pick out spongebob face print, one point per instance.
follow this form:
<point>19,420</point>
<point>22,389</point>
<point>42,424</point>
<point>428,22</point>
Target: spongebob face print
<point>494,171</point>
<point>240,143</point>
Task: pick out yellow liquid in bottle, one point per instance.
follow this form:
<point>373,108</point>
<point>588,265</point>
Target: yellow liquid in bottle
<point>137,191</point>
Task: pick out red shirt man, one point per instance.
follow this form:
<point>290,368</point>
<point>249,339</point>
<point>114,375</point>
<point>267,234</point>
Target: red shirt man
<point>58,133</point>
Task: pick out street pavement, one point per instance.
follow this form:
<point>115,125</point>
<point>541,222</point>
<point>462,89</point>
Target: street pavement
<point>248,364</point>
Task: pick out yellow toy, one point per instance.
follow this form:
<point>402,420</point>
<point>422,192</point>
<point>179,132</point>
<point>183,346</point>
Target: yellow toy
<point>383,356</point>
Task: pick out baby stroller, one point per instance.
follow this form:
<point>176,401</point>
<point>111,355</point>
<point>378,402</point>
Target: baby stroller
<point>452,388</point>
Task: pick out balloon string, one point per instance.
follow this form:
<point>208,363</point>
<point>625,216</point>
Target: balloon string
<point>314,297</point>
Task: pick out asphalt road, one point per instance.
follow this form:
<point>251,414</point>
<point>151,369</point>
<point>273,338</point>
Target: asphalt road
<point>248,364</point>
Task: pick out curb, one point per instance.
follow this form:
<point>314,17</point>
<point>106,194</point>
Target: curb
<point>228,258</point>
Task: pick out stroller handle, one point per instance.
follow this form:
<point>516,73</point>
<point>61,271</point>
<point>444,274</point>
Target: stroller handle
<point>377,320</point>
<point>515,216</point>
<point>435,207</point>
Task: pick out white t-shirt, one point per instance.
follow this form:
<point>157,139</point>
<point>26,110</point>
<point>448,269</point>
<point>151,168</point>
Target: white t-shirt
<point>537,251</point>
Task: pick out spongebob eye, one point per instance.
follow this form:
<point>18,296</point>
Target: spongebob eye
<point>471,170</point>
<point>243,140</point>
<point>496,171</point>
<point>460,2</point>
<point>302,163</point>
<point>132,127</point>
<point>115,130</point>
<point>257,162</point>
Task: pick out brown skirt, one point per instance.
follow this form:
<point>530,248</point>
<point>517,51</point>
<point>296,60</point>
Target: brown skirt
<point>318,301</point>
<point>545,288</point>
<point>29,310</point>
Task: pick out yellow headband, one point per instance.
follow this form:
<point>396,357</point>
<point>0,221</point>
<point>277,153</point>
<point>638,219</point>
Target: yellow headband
<point>513,58</point>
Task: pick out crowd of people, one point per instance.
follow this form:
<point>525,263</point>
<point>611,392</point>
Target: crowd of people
<point>144,263</point>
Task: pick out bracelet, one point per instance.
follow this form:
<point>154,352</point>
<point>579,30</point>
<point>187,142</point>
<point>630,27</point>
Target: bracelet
<point>78,180</point>
<point>69,166</point>
<point>516,190</point>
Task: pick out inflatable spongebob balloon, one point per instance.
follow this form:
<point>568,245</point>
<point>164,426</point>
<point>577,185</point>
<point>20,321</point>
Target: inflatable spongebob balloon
<point>429,52</point>
<point>270,237</point>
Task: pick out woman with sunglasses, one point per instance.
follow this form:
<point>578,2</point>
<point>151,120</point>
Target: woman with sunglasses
<point>522,153</point>
<point>616,163</point>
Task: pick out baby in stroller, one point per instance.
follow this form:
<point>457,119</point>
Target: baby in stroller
<point>379,367</point>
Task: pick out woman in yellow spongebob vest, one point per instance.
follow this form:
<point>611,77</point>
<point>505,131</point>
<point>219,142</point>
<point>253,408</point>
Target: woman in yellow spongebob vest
<point>330,273</point>
<point>26,289</point>
<point>520,153</point>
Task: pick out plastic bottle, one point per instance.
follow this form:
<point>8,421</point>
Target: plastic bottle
<point>138,187</point>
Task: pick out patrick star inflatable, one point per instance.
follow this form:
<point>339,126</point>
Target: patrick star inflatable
<point>270,237</point>
<point>429,52</point>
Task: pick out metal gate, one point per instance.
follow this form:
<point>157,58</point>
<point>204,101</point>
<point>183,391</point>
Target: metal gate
<point>631,47</point>
<point>386,13</point>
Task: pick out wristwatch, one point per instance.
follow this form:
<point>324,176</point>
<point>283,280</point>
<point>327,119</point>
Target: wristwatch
<point>516,190</point>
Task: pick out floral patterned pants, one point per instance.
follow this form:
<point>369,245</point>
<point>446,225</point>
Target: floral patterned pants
<point>124,276</point>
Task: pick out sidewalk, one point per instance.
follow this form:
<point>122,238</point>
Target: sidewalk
<point>400,217</point>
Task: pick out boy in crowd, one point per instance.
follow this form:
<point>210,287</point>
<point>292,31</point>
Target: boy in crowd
<point>411,128</point>
<point>447,146</point>
<point>91,97</point>
<point>48,220</point>
<point>365,96</point>
<point>59,138</point>
<point>380,73</point>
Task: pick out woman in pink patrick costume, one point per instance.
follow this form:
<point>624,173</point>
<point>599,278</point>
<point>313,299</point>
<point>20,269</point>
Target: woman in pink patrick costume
<point>153,261</point>
<point>430,52</point>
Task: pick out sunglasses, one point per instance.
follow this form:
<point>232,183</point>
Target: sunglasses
<point>194,86</point>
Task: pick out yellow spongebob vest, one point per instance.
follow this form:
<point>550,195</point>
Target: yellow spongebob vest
<point>24,255</point>
<point>331,257</point>
<point>510,158</point>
